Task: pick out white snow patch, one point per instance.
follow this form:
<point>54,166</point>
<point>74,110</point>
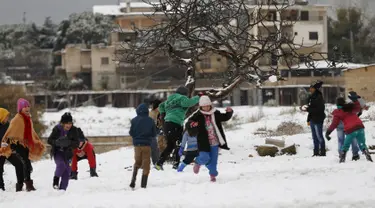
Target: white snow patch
<point>283,181</point>
<point>272,78</point>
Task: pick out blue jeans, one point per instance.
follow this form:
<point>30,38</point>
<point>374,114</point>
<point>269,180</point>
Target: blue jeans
<point>317,134</point>
<point>209,159</point>
<point>341,139</point>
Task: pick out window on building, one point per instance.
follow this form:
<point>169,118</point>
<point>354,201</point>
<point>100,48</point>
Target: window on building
<point>205,63</point>
<point>271,16</point>
<point>313,35</point>
<point>104,61</point>
<point>304,15</point>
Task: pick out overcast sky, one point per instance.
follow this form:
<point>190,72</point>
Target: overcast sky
<point>11,11</point>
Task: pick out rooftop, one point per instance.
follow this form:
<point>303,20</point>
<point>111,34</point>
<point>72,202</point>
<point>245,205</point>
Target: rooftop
<point>115,10</point>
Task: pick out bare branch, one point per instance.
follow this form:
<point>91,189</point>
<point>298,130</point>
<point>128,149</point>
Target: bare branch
<point>243,34</point>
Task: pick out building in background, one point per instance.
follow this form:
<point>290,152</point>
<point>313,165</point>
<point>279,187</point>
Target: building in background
<point>361,80</point>
<point>98,64</point>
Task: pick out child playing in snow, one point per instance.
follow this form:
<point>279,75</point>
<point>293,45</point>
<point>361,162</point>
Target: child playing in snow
<point>189,139</point>
<point>353,126</point>
<point>175,108</point>
<point>142,130</point>
<point>210,135</point>
<point>22,139</point>
<point>341,133</point>
<point>63,140</point>
<point>85,150</point>
<point>13,158</point>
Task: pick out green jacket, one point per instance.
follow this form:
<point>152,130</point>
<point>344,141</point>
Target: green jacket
<point>175,107</point>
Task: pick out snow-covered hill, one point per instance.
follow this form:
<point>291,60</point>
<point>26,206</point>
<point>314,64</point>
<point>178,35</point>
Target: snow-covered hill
<point>243,181</point>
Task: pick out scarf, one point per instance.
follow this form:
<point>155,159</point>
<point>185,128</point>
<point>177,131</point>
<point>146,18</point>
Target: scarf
<point>16,135</point>
<point>213,121</point>
<point>27,133</point>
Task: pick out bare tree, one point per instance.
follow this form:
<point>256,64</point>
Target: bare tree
<point>236,30</point>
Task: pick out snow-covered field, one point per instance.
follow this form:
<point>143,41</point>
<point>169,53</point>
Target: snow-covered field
<point>243,181</point>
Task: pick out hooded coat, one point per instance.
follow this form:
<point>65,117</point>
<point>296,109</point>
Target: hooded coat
<point>176,106</point>
<point>143,128</point>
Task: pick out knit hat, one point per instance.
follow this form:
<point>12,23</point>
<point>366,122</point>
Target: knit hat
<point>3,114</point>
<point>22,103</point>
<point>66,118</point>
<point>317,85</point>
<point>205,101</point>
<point>182,90</point>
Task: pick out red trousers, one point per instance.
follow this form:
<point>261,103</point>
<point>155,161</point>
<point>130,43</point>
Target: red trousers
<point>89,153</point>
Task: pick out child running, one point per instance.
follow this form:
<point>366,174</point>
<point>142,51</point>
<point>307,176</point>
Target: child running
<point>189,139</point>
<point>210,135</point>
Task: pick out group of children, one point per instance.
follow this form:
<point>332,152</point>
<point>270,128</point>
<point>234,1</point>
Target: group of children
<point>350,129</point>
<point>20,145</point>
<point>200,140</point>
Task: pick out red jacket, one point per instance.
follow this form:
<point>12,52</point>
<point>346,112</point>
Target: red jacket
<point>350,119</point>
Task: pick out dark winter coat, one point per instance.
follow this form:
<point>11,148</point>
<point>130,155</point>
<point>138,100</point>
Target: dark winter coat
<point>66,143</point>
<point>143,128</point>
<point>202,137</point>
<point>350,119</point>
<point>316,108</point>
<point>3,129</point>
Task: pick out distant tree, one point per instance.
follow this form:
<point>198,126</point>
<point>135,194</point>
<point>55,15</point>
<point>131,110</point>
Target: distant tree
<point>9,94</point>
<point>346,32</point>
<point>88,28</point>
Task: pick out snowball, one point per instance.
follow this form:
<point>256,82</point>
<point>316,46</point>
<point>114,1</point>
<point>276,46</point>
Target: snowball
<point>272,78</point>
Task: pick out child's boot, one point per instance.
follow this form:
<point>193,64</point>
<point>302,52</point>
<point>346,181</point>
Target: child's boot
<point>355,157</point>
<point>134,177</point>
<point>144,181</point>
<point>19,187</point>
<point>367,154</point>
<point>56,181</point>
<point>158,167</point>
<point>93,172</point>
<point>342,156</point>
<point>30,185</point>
<point>175,165</point>
<point>181,167</point>
<point>213,178</point>
<point>74,175</point>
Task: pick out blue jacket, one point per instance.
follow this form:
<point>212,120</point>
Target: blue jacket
<point>189,141</point>
<point>142,128</point>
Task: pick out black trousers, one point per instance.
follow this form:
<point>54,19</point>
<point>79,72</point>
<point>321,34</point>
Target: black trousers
<point>23,154</point>
<point>18,165</point>
<point>190,156</point>
<point>173,135</point>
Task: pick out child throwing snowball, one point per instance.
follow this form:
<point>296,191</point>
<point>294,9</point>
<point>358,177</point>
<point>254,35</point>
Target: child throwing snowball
<point>210,135</point>
<point>353,126</point>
